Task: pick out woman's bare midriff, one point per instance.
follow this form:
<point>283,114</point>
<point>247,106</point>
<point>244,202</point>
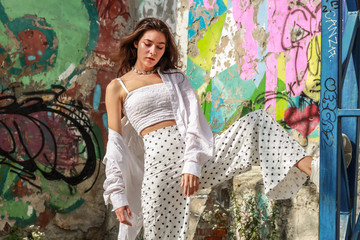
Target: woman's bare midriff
<point>157,126</point>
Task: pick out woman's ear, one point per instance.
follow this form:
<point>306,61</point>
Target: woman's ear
<point>136,43</point>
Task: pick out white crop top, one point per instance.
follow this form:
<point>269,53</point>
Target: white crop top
<point>148,105</point>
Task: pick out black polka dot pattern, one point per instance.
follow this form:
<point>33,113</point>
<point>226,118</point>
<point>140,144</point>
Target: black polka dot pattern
<point>255,139</point>
<point>165,208</point>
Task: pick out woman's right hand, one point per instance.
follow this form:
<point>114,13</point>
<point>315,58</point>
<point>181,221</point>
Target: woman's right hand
<point>123,213</point>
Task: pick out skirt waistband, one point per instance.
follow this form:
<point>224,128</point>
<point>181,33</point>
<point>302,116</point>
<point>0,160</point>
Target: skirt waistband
<point>170,129</point>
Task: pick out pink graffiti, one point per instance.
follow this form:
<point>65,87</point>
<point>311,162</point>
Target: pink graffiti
<point>290,31</point>
<point>207,5</point>
<point>271,79</point>
<point>243,15</point>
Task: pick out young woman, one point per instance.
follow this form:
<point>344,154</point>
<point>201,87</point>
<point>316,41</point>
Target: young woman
<point>161,149</point>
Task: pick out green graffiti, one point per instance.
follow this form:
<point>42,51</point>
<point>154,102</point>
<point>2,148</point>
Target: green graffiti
<point>97,137</point>
<point>23,213</point>
<point>69,28</point>
<point>195,74</point>
<point>206,105</point>
<point>207,45</point>
<point>7,182</point>
<point>64,198</point>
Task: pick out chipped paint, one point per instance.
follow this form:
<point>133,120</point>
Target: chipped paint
<point>43,47</point>
<point>263,42</point>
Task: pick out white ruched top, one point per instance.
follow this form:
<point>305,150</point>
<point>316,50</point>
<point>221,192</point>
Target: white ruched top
<point>148,105</point>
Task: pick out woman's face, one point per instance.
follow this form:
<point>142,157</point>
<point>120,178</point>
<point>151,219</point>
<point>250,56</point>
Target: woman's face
<point>150,49</point>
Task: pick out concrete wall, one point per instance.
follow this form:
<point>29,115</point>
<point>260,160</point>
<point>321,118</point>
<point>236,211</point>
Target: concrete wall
<point>239,55</point>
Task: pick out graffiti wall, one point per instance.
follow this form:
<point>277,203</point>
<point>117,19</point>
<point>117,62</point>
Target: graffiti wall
<point>240,56</point>
<point>245,55</point>
<point>54,69</point>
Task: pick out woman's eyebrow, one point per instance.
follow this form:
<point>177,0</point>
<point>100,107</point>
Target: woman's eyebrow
<point>153,41</point>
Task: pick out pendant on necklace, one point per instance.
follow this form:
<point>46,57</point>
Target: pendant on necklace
<point>143,73</point>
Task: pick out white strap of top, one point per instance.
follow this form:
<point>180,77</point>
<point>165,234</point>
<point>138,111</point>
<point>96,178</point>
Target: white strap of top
<point>123,85</point>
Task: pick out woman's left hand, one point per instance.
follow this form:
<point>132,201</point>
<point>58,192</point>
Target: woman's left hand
<point>190,183</point>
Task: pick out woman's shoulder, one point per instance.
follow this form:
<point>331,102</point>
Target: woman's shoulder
<point>114,88</point>
<point>113,85</point>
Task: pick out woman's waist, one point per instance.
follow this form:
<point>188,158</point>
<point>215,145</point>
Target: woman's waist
<point>163,140</point>
<point>157,126</point>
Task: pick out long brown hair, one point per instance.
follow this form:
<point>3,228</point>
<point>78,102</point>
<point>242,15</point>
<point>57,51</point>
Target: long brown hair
<point>126,55</point>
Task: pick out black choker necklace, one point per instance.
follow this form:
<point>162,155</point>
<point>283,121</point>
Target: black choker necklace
<point>143,73</point>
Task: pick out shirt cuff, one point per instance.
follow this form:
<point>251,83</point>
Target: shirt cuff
<point>118,200</point>
<point>192,168</point>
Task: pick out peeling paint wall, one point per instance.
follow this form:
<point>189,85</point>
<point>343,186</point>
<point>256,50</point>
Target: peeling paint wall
<point>245,55</point>
<point>163,9</point>
<point>51,141</point>
<point>54,68</point>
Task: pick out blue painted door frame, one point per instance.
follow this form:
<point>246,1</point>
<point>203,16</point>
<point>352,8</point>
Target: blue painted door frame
<point>339,106</point>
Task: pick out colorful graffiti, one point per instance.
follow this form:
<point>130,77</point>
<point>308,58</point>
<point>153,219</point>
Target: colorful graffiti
<point>51,137</point>
<point>51,104</point>
<point>45,137</point>
<point>245,55</point>
<point>265,54</point>
<point>54,68</point>
<point>36,44</point>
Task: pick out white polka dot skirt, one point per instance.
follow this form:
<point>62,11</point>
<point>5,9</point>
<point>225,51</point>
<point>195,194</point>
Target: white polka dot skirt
<point>165,208</point>
<point>255,139</point>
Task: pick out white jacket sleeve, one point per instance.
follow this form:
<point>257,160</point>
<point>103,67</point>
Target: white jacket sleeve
<point>114,186</point>
<point>124,160</point>
<point>199,138</point>
<point>199,141</point>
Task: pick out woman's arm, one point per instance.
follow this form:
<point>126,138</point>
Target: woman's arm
<point>113,105</point>
<point>114,184</point>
